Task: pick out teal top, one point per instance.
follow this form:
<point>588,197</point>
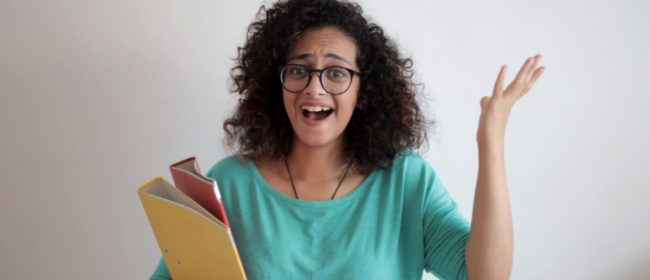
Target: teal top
<point>397,223</point>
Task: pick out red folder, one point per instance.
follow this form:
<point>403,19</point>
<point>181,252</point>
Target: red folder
<point>203,190</point>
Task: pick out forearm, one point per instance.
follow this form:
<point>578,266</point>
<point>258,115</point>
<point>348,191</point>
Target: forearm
<point>489,249</point>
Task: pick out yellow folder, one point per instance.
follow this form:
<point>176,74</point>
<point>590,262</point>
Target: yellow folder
<point>194,244</point>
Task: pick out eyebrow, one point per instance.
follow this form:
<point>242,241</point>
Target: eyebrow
<point>310,55</point>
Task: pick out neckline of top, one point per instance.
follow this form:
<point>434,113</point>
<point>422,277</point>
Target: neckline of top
<point>266,187</point>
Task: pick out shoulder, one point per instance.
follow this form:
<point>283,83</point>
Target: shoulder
<point>411,162</point>
<point>228,166</point>
<point>413,171</point>
<point>235,181</point>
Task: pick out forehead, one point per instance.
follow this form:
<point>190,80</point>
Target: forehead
<point>324,41</point>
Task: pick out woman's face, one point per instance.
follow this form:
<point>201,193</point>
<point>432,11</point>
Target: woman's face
<point>317,49</point>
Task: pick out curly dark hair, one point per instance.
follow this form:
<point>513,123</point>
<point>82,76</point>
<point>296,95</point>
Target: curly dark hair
<point>389,119</point>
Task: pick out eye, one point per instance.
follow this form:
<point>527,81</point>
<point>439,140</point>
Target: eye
<point>295,70</point>
<point>337,73</point>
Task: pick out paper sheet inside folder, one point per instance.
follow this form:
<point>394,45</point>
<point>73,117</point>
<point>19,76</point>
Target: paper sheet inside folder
<point>194,244</point>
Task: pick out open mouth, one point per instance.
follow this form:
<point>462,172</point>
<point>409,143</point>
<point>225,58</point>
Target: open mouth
<point>316,113</point>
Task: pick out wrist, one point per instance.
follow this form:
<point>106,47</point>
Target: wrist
<point>491,144</point>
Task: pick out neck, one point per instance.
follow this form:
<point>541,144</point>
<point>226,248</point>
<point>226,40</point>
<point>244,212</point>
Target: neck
<point>321,163</point>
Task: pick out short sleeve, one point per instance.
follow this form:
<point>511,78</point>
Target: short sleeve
<point>161,273</point>
<point>445,231</point>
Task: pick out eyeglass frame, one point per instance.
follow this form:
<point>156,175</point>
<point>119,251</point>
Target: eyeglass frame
<point>320,77</point>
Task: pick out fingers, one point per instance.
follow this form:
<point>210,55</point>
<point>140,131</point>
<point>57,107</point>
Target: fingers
<point>522,83</point>
<point>532,68</point>
<point>526,77</point>
<point>524,73</point>
<point>533,79</point>
<point>498,86</point>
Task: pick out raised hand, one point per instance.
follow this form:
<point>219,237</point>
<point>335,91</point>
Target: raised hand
<point>495,109</point>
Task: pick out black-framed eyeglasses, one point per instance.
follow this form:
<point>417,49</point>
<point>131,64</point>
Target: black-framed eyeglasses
<point>295,78</point>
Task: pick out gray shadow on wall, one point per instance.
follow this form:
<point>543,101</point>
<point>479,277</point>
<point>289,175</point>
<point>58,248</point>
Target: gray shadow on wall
<point>639,270</point>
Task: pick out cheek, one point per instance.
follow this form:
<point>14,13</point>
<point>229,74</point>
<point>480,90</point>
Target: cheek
<point>346,105</point>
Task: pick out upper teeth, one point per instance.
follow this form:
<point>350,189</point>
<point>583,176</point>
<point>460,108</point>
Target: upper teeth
<point>315,108</point>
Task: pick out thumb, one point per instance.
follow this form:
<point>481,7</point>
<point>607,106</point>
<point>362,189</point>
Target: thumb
<point>484,102</point>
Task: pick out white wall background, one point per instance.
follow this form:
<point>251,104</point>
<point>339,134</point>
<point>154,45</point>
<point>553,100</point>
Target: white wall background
<point>99,97</point>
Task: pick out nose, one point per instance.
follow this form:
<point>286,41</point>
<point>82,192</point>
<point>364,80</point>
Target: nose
<point>314,87</point>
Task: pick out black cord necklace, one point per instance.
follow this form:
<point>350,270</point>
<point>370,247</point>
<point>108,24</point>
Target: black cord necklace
<point>294,186</point>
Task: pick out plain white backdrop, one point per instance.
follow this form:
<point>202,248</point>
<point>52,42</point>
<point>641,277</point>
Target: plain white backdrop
<point>99,97</point>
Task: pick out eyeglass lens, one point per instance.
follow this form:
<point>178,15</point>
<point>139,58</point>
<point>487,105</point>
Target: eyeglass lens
<point>336,80</point>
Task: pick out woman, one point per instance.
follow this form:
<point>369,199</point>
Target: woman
<point>326,184</point>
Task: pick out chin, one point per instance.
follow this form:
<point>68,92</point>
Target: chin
<point>313,140</point>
